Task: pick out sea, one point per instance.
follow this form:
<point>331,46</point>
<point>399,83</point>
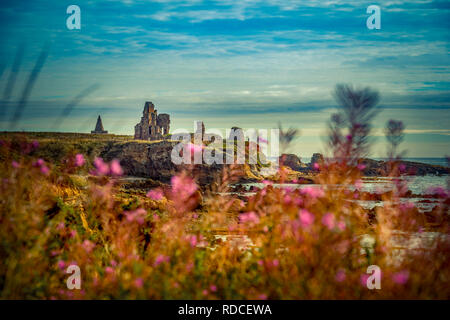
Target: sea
<point>434,161</point>
<point>418,185</point>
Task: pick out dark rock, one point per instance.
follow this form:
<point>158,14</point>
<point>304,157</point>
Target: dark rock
<point>381,168</point>
<point>153,160</point>
<point>316,158</point>
<point>141,159</point>
<point>292,161</point>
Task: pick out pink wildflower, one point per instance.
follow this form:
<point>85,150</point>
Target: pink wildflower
<point>213,288</point>
<point>88,246</point>
<point>205,292</point>
<point>401,277</point>
<point>306,217</point>
<point>38,163</point>
<point>361,166</point>
<point>45,170</point>
<point>54,253</point>
<point>363,280</point>
<point>312,192</point>
<point>193,240</point>
<point>262,296</point>
<point>155,194</point>
<point>109,270</point>
<point>249,217</point>
<point>101,166</point>
<point>316,166</point>
<point>328,220</point>
<point>79,160</point>
<point>15,164</point>
<point>161,259</point>
<point>340,276</point>
<point>115,168</point>
<point>341,225</point>
<point>138,283</point>
<point>61,264</point>
<point>183,186</point>
<point>137,215</point>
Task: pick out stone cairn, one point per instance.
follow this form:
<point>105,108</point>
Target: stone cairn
<point>99,127</point>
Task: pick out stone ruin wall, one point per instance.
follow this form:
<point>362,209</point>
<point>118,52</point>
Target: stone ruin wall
<point>152,126</point>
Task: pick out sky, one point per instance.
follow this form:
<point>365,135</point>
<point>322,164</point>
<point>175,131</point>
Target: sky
<point>245,63</point>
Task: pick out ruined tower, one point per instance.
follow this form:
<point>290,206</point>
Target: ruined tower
<point>152,126</point>
<point>99,126</point>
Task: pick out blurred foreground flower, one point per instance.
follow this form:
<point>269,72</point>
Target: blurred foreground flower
<point>155,194</point>
<point>79,160</point>
<point>115,168</point>
<point>400,277</point>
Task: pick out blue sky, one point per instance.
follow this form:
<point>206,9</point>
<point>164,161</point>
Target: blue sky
<point>247,63</point>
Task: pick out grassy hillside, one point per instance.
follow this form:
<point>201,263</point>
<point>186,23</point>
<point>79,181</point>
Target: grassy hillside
<point>55,146</point>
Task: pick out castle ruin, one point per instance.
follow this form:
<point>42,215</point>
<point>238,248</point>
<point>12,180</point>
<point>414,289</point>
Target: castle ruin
<point>152,126</point>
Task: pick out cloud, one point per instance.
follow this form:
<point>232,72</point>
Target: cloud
<point>436,60</point>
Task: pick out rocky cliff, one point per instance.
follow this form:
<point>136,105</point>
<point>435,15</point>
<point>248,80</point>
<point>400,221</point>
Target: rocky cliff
<point>292,161</point>
<point>143,159</point>
<point>379,168</point>
<point>153,160</point>
<point>372,167</point>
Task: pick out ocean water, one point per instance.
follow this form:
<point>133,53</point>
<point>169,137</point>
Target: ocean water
<point>419,185</point>
<point>435,161</point>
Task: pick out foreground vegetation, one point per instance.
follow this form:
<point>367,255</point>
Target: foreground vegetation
<point>178,243</point>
